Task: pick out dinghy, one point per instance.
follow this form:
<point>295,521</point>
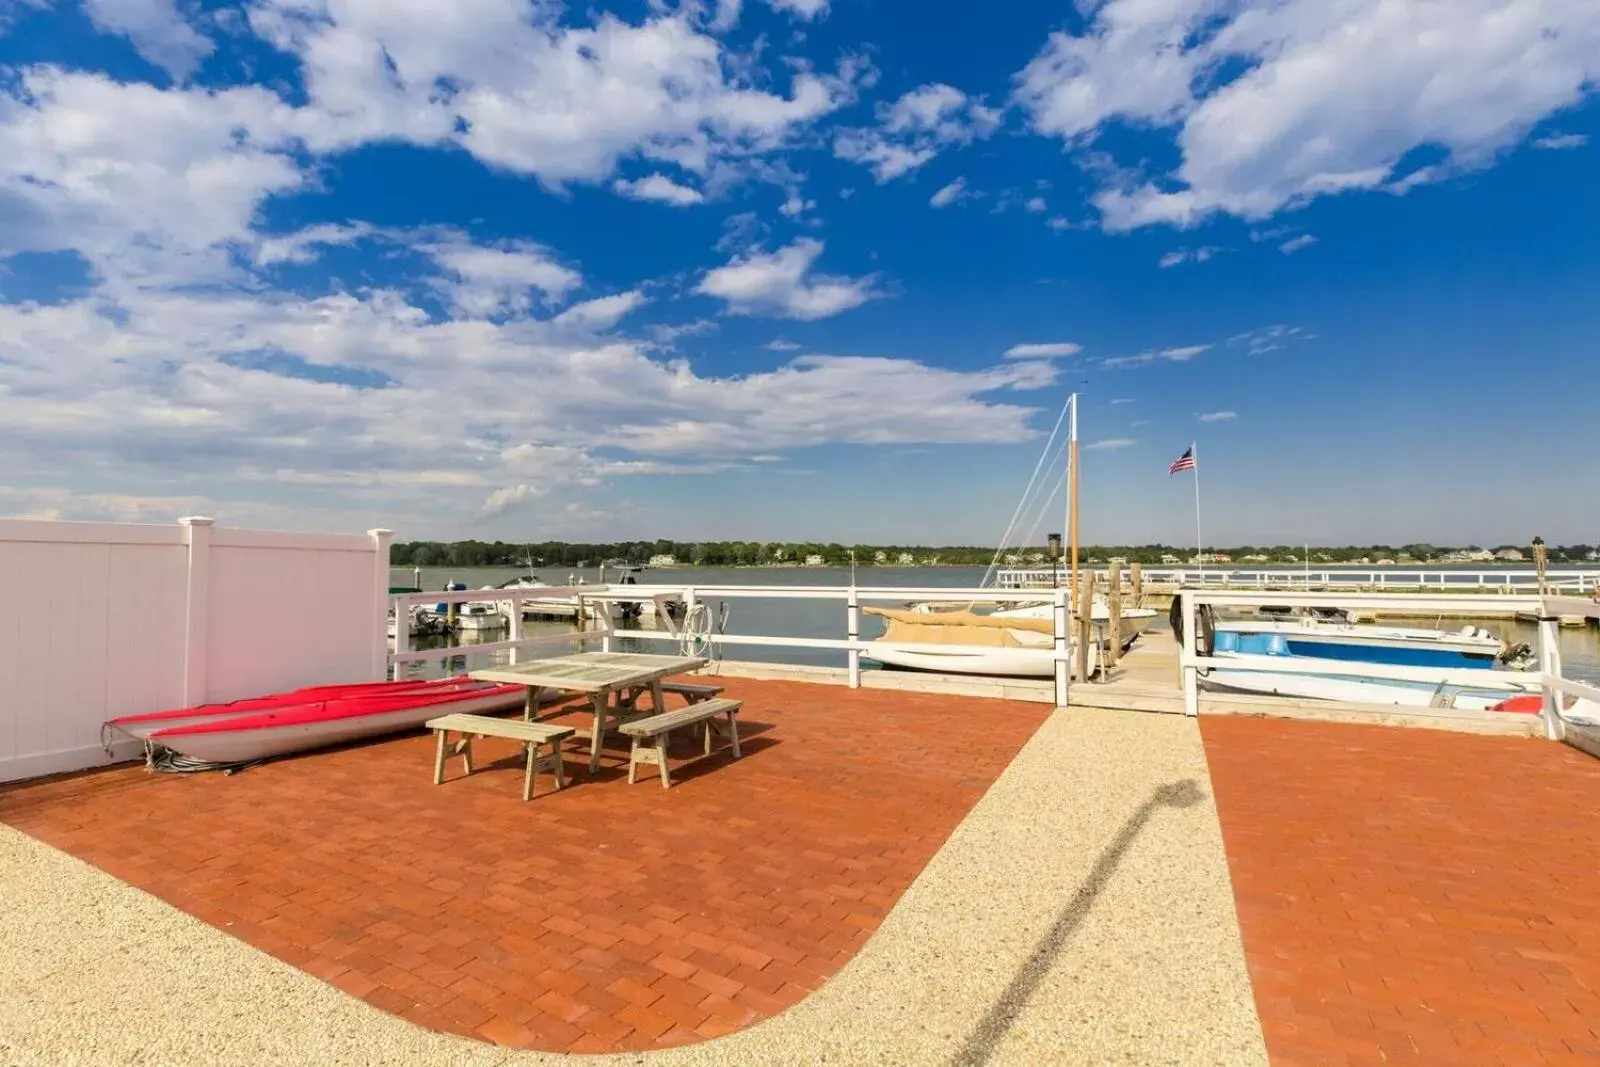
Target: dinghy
<point>248,730</point>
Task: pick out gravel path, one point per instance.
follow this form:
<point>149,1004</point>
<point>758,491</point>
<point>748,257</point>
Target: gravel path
<point>1080,914</point>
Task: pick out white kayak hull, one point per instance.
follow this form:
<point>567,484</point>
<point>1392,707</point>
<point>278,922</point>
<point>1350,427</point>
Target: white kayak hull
<point>264,742</point>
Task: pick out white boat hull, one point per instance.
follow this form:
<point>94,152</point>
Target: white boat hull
<point>263,742</point>
<point>998,662</point>
<point>1352,690</point>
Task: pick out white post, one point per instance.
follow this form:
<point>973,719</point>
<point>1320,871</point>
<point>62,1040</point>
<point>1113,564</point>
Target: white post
<point>1059,632</point>
<point>197,611</point>
<point>1191,676</point>
<point>1199,544</point>
<point>853,632</point>
<point>1550,668</point>
<point>381,540</point>
<point>607,625</point>
<point>516,626</point>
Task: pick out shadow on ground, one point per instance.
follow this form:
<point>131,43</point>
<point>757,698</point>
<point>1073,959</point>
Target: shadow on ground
<point>981,1044</point>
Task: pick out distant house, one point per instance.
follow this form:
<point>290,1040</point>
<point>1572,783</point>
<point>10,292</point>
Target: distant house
<point>906,559</point>
<point>663,561</point>
<point>1169,560</point>
<point>1510,555</point>
<point>880,556</point>
<point>1258,558</point>
<point>813,561</point>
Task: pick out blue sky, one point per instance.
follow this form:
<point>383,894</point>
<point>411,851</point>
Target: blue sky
<point>802,268</point>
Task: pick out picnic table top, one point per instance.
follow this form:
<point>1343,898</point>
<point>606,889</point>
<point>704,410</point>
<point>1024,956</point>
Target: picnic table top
<point>591,672</point>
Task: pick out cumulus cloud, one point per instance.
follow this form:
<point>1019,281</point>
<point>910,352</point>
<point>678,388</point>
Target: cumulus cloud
<point>949,194</point>
<point>801,9</point>
<point>659,188</point>
<point>1048,350</point>
<point>156,30</point>
<point>915,129</point>
<point>1297,121</point>
<point>500,279</point>
<point>781,284</point>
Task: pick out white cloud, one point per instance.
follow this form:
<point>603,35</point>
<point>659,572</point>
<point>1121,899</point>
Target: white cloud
<point>915,129</point>
<point>1036,206</point>
<point>1559,141</point>
<point>1187,255</point>
<point>1293,245</point>
<point>1060,224</point>
<point>727,15</point>
<point>500,279</point>
<point>1334,95</point>
<point>143,400</point>
<point>1164,355</point>
<point>1051,350</point>
<point>660,188</point>
<point>796,205</point>
<point>602,313</point>
<point>1111,444</point>
<point>521,91</point>
<point>781,346</point>
<point>156,30</point>
<point>949,194</point>
<point>1219,416</point>
<point>1123,400</point>
<point>1269,338</point>
<point>780,283</point>
<point>301,245</point>
<point>145,183</point>
<point>801,9</point>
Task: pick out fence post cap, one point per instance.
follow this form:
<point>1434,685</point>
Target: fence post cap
<point>196,520</point>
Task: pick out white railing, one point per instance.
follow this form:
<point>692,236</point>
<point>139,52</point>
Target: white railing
<point>1547,678</point>
<point>852,598</point>
<point>1563,580</point>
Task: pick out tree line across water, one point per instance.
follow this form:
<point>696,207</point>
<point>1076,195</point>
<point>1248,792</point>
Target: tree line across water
<point>772,553</point>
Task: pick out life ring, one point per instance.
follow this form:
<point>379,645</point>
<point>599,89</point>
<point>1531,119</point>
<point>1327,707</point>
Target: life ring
<point>1207,625</point>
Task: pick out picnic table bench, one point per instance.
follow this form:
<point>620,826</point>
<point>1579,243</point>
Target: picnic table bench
<point>650,735</point>
<point>532,735</point>
<point>693,692</point>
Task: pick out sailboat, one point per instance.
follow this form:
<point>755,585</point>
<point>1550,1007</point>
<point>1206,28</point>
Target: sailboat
<point>1018,642</point>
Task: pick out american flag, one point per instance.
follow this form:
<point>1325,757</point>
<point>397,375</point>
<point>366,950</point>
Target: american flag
<point>1184,462</point>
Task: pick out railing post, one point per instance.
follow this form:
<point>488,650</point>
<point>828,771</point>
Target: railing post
<point>516,627</point>
<point>381,539</point>
<point>1059,633</point>
<point>1191,675</point>
<point>1550,669</point>
<point>853,632</point>
<point>197,613</point>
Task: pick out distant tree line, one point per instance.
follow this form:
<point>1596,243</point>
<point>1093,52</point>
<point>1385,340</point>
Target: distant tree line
<point>772,553</point>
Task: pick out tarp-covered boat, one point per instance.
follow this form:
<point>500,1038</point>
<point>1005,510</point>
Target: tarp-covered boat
<point>962,642</point>
<point>247,730</point>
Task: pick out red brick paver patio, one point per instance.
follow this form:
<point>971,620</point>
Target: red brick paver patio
<point>1413,896</point>
<point>604,917</point>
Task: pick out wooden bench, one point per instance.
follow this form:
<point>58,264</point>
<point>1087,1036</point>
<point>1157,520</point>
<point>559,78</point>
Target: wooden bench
<point>650,735</point>
<point>533,736</point>
<point>693,692</point>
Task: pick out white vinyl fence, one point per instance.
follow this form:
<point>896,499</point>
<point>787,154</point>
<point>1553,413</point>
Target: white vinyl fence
<point>111,619</point>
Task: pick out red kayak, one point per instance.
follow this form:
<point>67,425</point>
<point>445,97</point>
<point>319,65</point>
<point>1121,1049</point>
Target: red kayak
<point>246,730</point>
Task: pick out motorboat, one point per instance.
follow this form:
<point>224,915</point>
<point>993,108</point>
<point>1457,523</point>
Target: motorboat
<point>244,731</point>
<point>1329,634</point>
<point>960,642</point>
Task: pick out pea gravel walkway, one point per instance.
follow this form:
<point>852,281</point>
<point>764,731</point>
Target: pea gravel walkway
<point>1080,914</point>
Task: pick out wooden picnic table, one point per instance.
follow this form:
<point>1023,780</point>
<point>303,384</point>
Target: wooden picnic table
<point>600,676</point>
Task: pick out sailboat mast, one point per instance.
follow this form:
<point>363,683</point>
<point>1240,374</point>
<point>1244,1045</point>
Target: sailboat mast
<point>1072,497</point>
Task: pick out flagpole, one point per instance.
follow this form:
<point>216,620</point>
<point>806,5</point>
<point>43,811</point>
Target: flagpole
<point>1199,545</point>
<point>1072,499</point>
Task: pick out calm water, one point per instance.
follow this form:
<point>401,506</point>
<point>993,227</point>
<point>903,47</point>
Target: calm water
<point>1580,649</point>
